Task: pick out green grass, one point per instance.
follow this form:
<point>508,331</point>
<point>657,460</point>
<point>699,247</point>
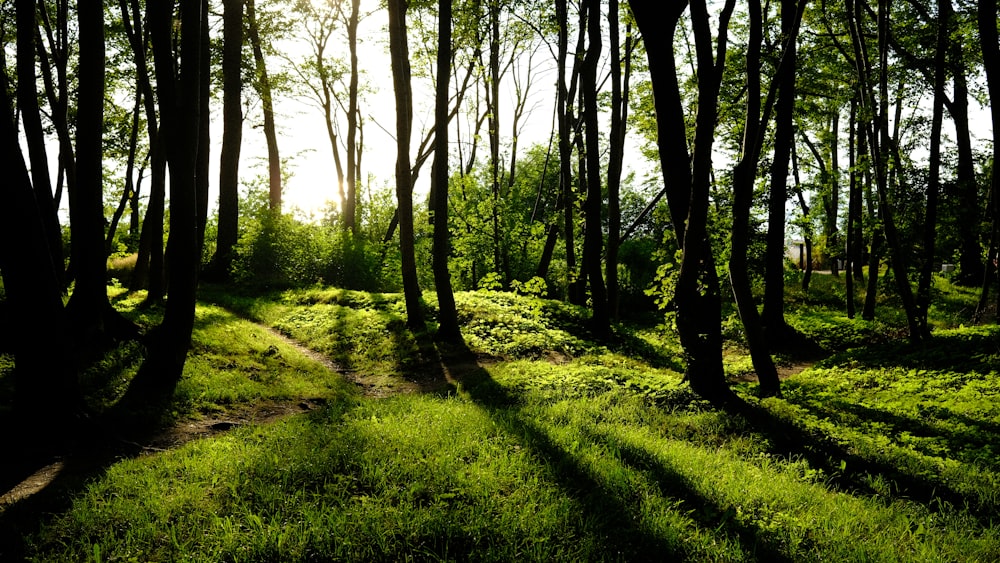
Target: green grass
<point>552,447</point>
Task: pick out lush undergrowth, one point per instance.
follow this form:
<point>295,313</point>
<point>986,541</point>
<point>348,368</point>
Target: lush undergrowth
<point>547,446</point>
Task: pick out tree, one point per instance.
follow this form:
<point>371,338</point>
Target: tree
<point>773,314</point>
<point>27,105</point>
<point>232,136</point>
<point>687,182</point>
<point>988,37</point>
<point>180,92</point>
<point>89,309</point>
<point>399,53</point>
<point>447,317</point>
<point>34,295</point>
<point>263,85</point>
<point>743,184</point>
<point>593,234</point>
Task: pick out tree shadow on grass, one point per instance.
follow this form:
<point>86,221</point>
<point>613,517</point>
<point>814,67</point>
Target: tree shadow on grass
<point>610,519</point>
<point>859,474</point>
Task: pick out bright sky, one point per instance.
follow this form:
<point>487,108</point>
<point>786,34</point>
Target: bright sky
<point>302,135</point>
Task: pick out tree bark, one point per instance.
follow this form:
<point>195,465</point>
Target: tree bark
<point>351,205</point>
<point>399,53</point>
<point>232,137</point>
<point>687,183</point>
<point>34,294</point>
<point>593,204</point>
<point>934,173</point>
<point>448,329</point>
<point>263,84</point>
<point>27,105</point>
<point>181,134</point>
<point>988,38</point>
<point>743,184</point>
<point>774,275</point>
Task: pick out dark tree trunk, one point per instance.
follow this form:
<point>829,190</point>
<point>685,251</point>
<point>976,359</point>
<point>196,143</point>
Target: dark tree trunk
<point>698,299</point>
<point>933,181</point>
<point>853,214</point>
<point>619,120</point>
<point>399,53</point>
<point>807,264</point>
<point>351,205</point>
<point>232,137</point>
<point>181,133</point>
<point>128,192</point>
<point>90,311</point>
<point>27,105</point>
<point>565,150</point>
<point>774,272</point>
<point>448,316</point>
<point>743,185</point>
<point>149,263</point>
<point>203,157</point>
<point>34,296</point>
<point>263,84</point>
<point>988,38</point>
<point>593,237</point>
<point>970,258</point>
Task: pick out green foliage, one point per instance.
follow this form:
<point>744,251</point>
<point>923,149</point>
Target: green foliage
<point>281,251</point>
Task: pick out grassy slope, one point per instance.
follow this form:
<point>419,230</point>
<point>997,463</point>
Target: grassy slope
<point>551,447</point>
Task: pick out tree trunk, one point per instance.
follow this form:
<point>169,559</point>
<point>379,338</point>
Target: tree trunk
<point>181,133</point>
<point>743,185</point>
<point>399,53</point>
<point>350,206</point>
<point>616,153</point>
<point>698,299</point>
<point>34,295</point>
<point>988,38</point>
<point>232,137</point>
<point>263,84</point>
<point>933,181</point>
<point>448,316</point>
<point>89,309</point>
<point>27,105</point>
<point>774,274</point>
<point>593,237</point>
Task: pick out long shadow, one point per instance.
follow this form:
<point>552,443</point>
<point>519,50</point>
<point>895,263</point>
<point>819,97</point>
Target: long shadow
<point>979,434</point>
<point>853,473</point>
<point>609,517</point>
<point>708,513</point>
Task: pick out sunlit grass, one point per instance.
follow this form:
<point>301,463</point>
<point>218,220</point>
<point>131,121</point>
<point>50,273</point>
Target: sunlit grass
<point>555,450</point>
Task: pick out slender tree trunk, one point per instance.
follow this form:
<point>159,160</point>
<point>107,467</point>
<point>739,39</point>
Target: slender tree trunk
<point>619,119</point>
<point>743,185</point>
<point>232,137</point>
<point>264,87</point>
<point>399,53</point>
<point>204,135</point>
<point>593,205</point>
<point>127,193</point>
<point>698,298</point>
<point>969,208</point>
<point>933,182</point>
<point>807,264</point>
<point>988,38</point>
<point>350,206</point>
<point>448,316</point>
<point>27,105</point>
<point>774,274</point>
<point>853,214</point>
<point>180,99</point>
<point>88,305</point>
